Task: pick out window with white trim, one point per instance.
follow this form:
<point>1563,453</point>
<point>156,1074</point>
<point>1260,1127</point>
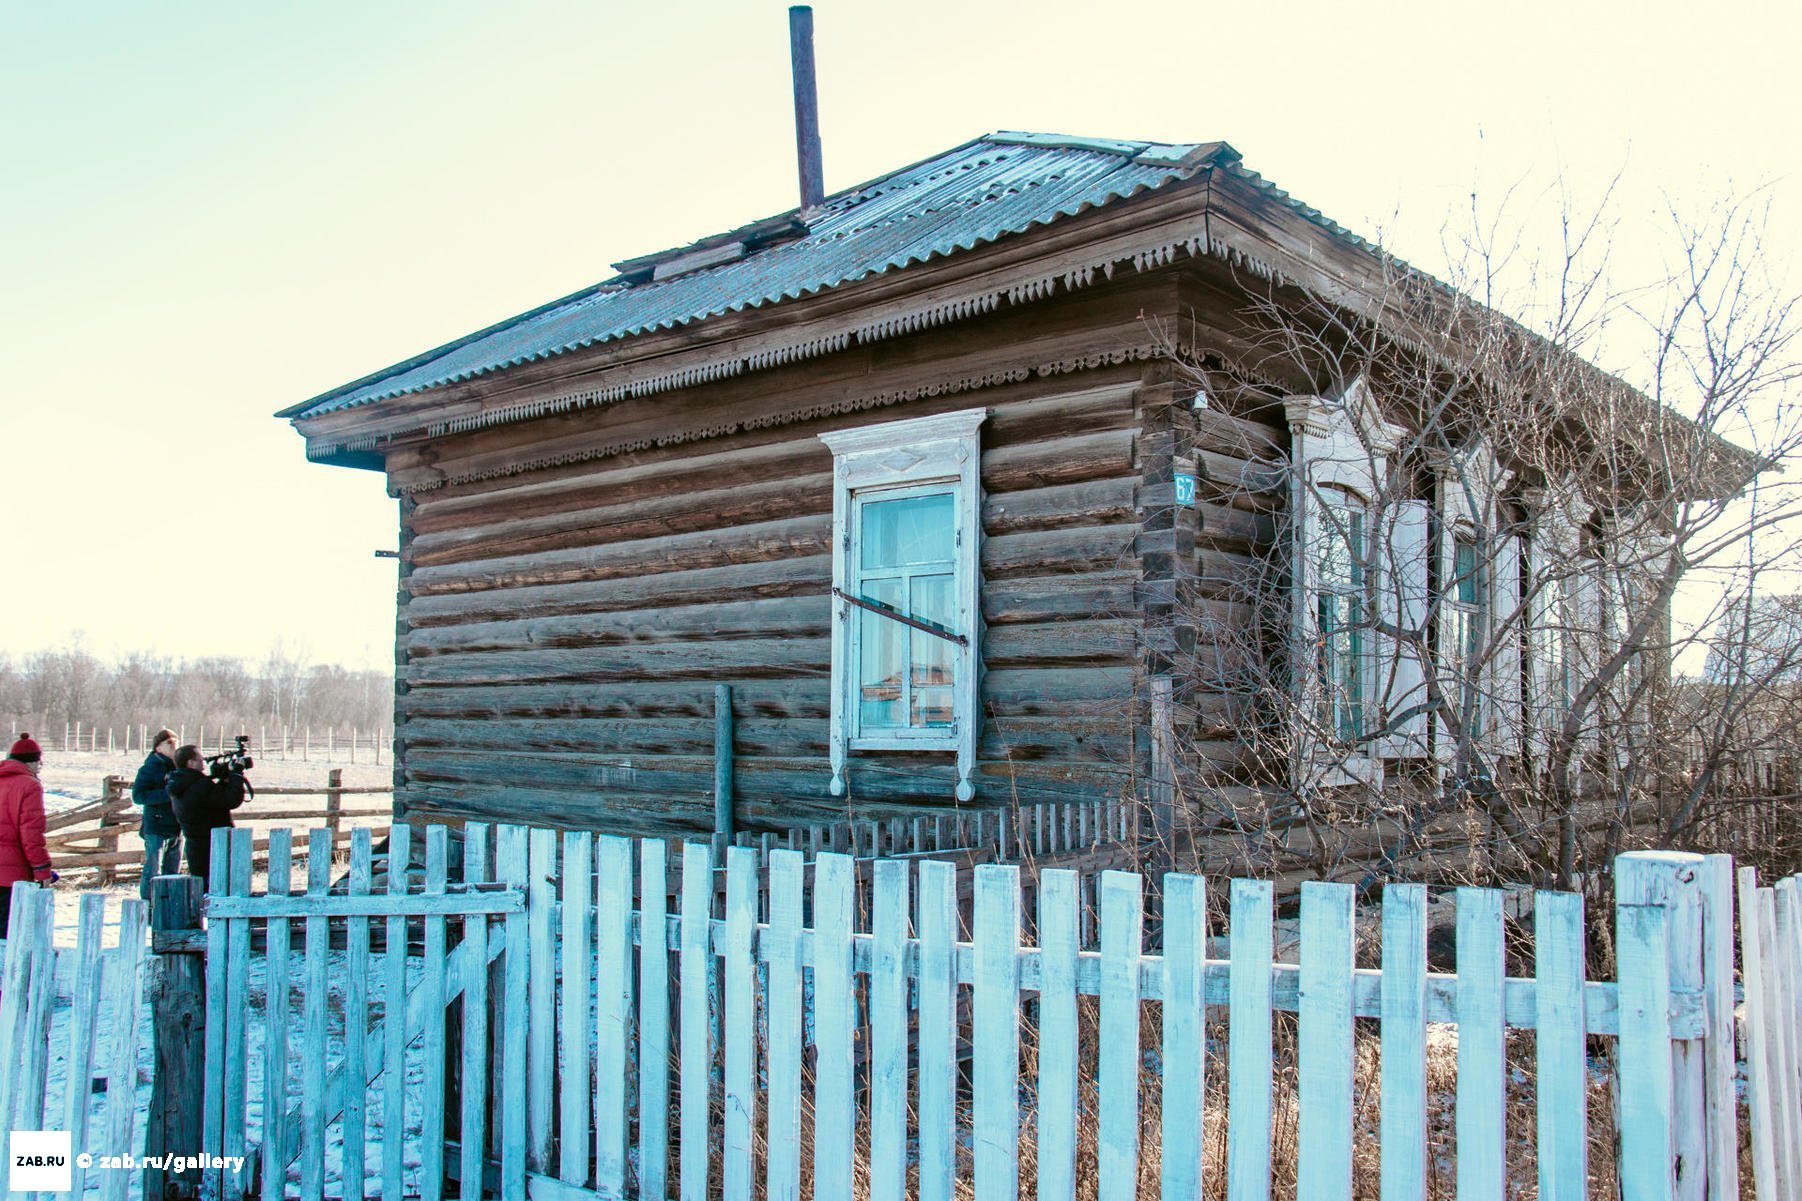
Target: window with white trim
<point>1563,607</point>
<point>1340,624</point>
<point>1464,636</point>
<point>1551,637</point>
<point>906,525</point>
<point>1340,449</point>
<point>903,562</point>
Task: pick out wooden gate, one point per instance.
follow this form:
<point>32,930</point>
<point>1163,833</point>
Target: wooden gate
<point>303,1093</point>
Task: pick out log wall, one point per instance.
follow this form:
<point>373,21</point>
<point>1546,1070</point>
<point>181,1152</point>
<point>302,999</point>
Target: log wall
<point>572,596</point>
<point>574,586</point>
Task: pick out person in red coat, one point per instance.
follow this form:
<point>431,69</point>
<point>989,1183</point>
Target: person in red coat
<point>23,855</point>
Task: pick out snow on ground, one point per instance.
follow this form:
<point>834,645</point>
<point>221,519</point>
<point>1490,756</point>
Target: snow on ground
<point>255,1016</point>
<point>75,778</point>
<point>71,778</point>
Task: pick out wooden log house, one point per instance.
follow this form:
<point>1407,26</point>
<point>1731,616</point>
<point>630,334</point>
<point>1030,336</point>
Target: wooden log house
<point>900,468</point>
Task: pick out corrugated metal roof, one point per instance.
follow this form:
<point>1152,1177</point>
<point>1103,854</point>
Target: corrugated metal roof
<point>976,193</point>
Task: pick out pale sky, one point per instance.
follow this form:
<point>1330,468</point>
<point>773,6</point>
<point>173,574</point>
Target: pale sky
<point>214,210</point>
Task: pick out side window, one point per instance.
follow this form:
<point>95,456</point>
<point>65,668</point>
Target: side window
<point>1551,631</point>
<point>1339,618</point>
<point>1343,620</point>
<point>906,539</point>
<point>904,564</point>
<point>1464,638</point>
<point>1561,598</point>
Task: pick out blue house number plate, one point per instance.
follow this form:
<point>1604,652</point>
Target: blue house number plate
<point>1185,488</point>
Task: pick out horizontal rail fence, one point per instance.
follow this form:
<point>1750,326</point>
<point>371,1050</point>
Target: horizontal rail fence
<point>272,742</point>
<point>85,841</point>
<point>557,1025</point>
<point>82,1023</point>
<point>1090,835</point>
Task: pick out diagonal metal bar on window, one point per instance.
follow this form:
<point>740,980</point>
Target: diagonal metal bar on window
<point>925,627</point>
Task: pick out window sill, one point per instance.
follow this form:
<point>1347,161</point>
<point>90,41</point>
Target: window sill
<point>935,741</point>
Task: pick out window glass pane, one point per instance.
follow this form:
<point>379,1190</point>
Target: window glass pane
<point>933,663</point>
<point>1341,664</point>
<point>1551,622</point>
<point>1339,615</point>
<point>1342,547</point>
<point>1462,633</point>
<point>881,665</point>
<point>1466,650</point>
<point>1464,571</point>
<point>1465,633</point>
<point>912,529</point>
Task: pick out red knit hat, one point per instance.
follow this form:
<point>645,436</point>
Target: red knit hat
<point>26,750</point>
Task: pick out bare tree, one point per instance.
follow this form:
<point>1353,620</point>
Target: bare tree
<point>1489,554</point>
<point>69,684</point>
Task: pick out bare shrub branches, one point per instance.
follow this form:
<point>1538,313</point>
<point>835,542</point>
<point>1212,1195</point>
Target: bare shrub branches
<point>1497,570</point>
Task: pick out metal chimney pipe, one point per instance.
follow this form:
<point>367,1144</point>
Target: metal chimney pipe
<point>807,106</point>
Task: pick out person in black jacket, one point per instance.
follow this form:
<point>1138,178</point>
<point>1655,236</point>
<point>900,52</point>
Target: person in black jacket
<point>203,804</point>
<point>157,824</point>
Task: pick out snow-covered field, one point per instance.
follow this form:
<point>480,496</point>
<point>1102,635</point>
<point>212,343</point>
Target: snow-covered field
<point>73,777</point>
<point>77,778</point>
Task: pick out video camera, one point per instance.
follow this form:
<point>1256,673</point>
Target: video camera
<point>234,762</point>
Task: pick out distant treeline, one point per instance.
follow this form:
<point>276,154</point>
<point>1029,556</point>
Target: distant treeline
<point>44,690</point>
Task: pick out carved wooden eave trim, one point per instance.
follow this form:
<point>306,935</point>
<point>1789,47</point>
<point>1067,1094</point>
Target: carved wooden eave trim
<point>1155,236</point>
<point>1146,234</point>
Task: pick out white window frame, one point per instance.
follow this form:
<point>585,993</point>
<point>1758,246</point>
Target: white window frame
<point>1473,616</point>
<point>1343,445</point>
<point>1337,507</point>
<point>1570,616</point>
<point>904,457</point>
<point>1552,647</point>
<point>1470,508</point>
<point>1404,601</point>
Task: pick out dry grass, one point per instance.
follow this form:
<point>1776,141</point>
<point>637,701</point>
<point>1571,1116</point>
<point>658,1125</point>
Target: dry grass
<point>1521,1119</point>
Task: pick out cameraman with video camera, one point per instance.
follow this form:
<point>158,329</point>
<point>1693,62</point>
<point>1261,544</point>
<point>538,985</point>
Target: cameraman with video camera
<point>205,797</point>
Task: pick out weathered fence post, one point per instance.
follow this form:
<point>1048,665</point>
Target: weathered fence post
<point>334,804</point>
<point>178,1023</point>
<point>1679,884</point>
<point>112,792</point>
<point>1722,1060</point>
<point>722,760</point>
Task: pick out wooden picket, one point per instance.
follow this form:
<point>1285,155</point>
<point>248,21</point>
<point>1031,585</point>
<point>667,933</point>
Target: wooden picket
<point>641,1041</point>
<point>98,1038</point>
<point>1771,957</point>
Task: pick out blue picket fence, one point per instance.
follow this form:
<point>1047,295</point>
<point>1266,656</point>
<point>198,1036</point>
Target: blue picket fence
<point>71,1019</point>
<point>584,1016</point>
